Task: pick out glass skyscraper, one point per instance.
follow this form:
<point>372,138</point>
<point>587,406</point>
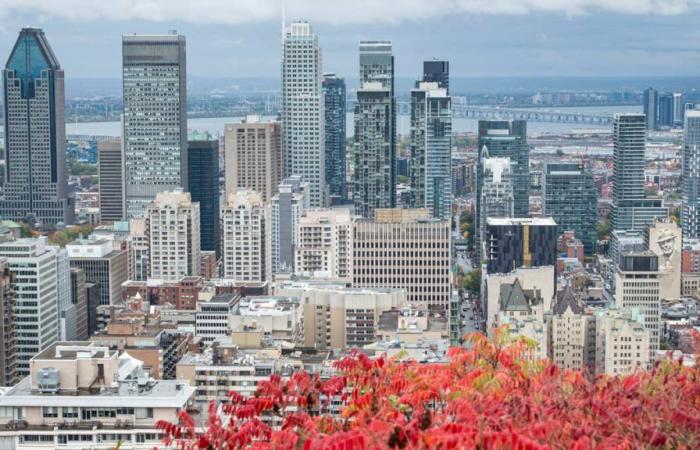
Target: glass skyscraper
<point>571,199</point>
<point>303,121</point>
<point>436,71</point>
<point>650,104</point>
<point>155,117</point>
<point>431,149</point>
<point>203,179</point>
<point>334,98</point>
<point>690,211</point>
<point>35,134</point>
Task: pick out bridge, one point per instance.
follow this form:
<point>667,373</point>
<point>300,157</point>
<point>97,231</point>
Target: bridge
<point>475,112</point>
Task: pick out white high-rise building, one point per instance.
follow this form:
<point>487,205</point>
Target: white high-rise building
<point>173,232</point>
<point>303,114</point>
<point>288,205</point>
<point>243,237</point>
<point>324,243</point>
<point>497,197</point>
<point>155,117</point>
<point>690,179</point>
<point>37,301</point>
<point>637,290</point>
<point>622,343</point>
<point>138,250</point>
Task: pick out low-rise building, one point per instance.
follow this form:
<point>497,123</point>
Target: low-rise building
<point>622,342</point>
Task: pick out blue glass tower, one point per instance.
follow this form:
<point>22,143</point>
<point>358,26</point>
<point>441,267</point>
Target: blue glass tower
<point>334,98</point>
<point>203,178</point>
<point>35,134</point>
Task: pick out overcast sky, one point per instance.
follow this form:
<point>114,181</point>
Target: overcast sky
<point>241,38</point>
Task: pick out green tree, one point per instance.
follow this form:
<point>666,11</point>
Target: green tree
<point>603,229</point>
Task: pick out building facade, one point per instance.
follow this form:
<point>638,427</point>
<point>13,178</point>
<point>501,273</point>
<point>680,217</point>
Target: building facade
<point>287,207</point>
<point>110,166</point>
<point>203,179</point>
<point>571,199</point>
<point>513,243</point>
<point>244,222</point>
<point>102,264</point>
<point>690,176</point>
<point>436,71</point>
<point>35,183</point>
<point>303,111</point>
<point>253,157</point>
<point>431,149</point>
<point>8,327</point>
<point>650,106</point>
<point>374,182</point>
<point>497,198</point>
<point>404,249</point>
<point>173,234</point>
<point>155,117</point>
<point>324,243</point>
<point>334,100</point>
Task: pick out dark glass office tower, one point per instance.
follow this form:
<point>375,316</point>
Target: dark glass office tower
<point>334,97</point>
<point>437,72</point>
<point>203,176</point>
<point>35,134</point>
<point>506,139</point>
<point>512,243</point>
<point>571,199</point>
<point>665,118</point>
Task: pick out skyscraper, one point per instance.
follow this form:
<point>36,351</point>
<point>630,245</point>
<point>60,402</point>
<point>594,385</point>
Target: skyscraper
<point>436,71</point>
<point>496,191</point>
<point>632,210</point>
<point>505,139</point>
<point>334,99</point>
<point>110,165</point>
<point>665,114</point>
<point>253,156</point>
<point>155,117</point>
<point>571,198</point>
<point>678,109</point>
<point>203,179</point>
<point>103,265</point>
<point>650,103</point>
<point>303,113</point>
<point>690,211</point>
<point>290,202</point>
<point>374,182</point>
<point>35,133</point>
<point>511,243</point>
<point>243,227</point>
<point>431,149</point>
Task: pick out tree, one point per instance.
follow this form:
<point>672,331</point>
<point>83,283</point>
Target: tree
<point>603,229</point>
<point>472,281</point>
<point>492,395</point>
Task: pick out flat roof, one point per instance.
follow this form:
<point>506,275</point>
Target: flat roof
<point>520,221</point>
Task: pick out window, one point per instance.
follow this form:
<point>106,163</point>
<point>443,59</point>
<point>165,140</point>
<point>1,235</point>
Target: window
<point>144,413</point>
<point>49,411</point>
<point>70,412</point>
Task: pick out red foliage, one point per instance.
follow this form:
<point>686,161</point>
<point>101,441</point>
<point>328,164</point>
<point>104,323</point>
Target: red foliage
<point>486,397</point>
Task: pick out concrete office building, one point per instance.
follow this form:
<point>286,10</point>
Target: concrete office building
<point>513,243</point>
<point>35,182</point>
<point>690,176</point>
<point>244,222</point>
<point>110,167</point>
<point>79,299</point>
<point>650,105</point>
<point>102,264</point>
<point>253,156</point>
<point>8,327</point>
<point>404,249</point>
<point>36,315</point>
<point>173,234</point>
<point>338,317</point>
<point>203,179</point>
<point>622,343</point>
<point>571,199</point>
<point>334,100</point>
<point>374,181</point>
<point>431,149</point>
<point>212,317</point>
<point>79,382</point>
<point>287,207</point>
<point>155,117</point>
<point>632,209</point>
<point>66,309</point>
<point>324,244</point>
<point>436,71</point>
<point>637,288</point>
<point>496,191</point>
<point>303,113</point>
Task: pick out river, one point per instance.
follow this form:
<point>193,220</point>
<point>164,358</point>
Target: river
<point>215,125</point>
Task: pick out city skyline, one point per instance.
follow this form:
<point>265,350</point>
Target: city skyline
<point>529,39</point>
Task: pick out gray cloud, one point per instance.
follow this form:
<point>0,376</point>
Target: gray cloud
<point>325,11</point>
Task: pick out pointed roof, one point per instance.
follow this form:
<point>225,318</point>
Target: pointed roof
<point>566,299</point>
<point>514,298</point>
<point>484,152</point>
